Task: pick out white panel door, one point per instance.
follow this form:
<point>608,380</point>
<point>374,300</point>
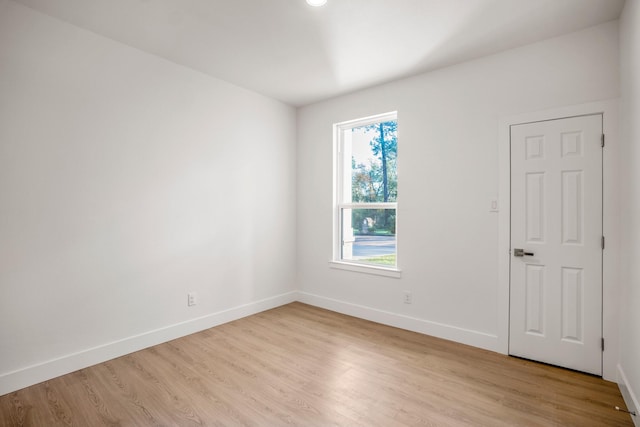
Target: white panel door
<point>556,242</point>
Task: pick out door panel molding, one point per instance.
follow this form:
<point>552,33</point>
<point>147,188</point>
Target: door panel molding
<point>609,109</point>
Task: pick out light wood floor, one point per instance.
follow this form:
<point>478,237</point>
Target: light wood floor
<point>300,365</point>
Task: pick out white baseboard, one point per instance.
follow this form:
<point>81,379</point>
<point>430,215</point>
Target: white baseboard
<point>16,380</point>
<point>629,396</point>
<point>448,332</point>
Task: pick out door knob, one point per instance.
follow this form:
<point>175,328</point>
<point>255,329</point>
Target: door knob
<point>521,252</point>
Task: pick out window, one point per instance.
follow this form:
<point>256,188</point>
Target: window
<point>366,191</point>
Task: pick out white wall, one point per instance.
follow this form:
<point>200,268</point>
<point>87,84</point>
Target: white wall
<point>127,181</point>
<point>448,172</point>
<point>630,212</point>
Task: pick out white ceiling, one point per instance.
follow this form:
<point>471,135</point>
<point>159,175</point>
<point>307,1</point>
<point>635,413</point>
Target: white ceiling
<point>298,54</point>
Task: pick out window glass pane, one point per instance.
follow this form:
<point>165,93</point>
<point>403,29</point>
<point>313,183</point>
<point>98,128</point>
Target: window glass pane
<point>374,154</point>
<point>369,236</point>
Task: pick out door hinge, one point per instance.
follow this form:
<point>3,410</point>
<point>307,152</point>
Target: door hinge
<point>602,243</point>
<point>602,344</point>
<point>602,140</point>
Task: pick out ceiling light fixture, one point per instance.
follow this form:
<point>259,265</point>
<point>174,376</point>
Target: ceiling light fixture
<point>316,3</point>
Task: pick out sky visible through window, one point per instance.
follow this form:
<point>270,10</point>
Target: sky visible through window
<point>361,149</point>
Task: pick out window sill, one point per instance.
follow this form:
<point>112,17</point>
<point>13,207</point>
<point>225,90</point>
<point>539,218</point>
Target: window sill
<point>367,269</point>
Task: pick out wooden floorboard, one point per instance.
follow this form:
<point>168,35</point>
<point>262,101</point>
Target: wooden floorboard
<point>301,365</point>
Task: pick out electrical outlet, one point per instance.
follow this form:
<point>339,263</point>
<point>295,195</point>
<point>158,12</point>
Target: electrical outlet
<point>191,299</point>
<point>407,298</point>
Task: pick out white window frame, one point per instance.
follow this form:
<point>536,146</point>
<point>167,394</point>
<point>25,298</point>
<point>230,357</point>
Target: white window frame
<point>342,186</point>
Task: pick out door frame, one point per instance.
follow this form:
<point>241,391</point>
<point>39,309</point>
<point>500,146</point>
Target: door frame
<point>610,214</point>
